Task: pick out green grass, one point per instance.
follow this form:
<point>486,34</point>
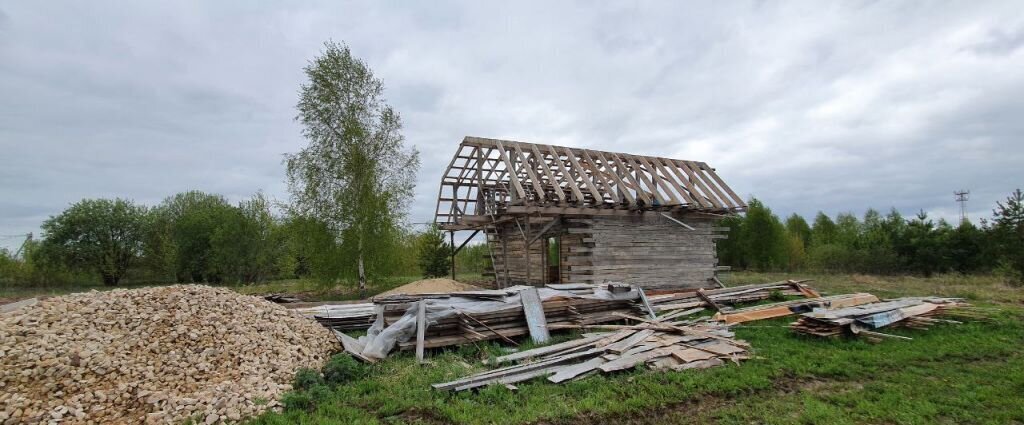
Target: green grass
<point>969,373</point>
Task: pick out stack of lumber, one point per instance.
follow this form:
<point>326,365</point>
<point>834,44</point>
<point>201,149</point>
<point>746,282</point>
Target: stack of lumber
<point>359,316</point>
<point>343,317</point>
<point>917,312</point>
<point>657,344</point>
<point>722,298</point>
<point>786,308</point>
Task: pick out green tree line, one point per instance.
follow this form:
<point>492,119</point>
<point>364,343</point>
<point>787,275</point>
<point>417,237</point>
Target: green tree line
<point>201,237</point>
<point>877,243</point>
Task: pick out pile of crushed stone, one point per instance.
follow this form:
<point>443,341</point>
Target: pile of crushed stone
<point>155,355</point>
<point>429,286</point>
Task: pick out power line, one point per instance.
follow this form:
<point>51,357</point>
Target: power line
<point>962,197</point>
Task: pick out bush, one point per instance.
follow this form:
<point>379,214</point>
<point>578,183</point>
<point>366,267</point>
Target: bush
<point>306,379</point>
<point>342,369</point>
<point>297,400</point>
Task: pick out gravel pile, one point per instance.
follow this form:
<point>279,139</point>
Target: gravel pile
<point>154,355</point>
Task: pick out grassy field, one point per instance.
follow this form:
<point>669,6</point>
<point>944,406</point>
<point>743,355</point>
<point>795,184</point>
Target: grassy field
<point>969,373</point>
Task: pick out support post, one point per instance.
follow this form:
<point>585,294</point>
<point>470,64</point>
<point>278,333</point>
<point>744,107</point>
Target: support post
<point>452,236</point>
<point>526,250</point>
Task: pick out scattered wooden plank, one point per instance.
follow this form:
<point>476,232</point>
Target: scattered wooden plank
<point>421,329</point>
<point>534,312</point>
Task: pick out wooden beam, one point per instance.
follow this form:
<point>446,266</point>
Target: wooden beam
<point>539,188</point>
<point>622,189</point>
<point>463,244</point>
<point>670,188</point>
<point>511,170</point>
<point>598,198</point>
<point>592,166</point>
<point>569,180</point>
<point>541,232</point>
<point>547,171</point>
<point>711,171</point>
<point>623,170</point>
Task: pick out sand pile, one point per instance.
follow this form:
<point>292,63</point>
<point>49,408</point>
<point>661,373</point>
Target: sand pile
<point>153,355</point>
<point>426,286</point>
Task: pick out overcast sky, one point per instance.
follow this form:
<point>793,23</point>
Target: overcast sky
<point>807,106</point>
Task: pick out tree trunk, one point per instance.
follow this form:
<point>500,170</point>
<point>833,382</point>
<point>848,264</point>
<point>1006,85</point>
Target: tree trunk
<point>362,270</point>
<point>109,279</point>
<point>362,275</point>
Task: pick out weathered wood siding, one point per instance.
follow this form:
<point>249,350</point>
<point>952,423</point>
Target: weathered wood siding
<point>648,250</point>
<point>510,241</point>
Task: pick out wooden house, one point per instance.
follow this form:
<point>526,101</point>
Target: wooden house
<point>572,215</point>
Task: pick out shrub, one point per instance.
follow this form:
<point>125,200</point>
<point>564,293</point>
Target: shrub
<point>306,379</point>
<point>297,400</point>
<point>342,369</point>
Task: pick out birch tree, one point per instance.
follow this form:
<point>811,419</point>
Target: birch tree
<point>355,175</point>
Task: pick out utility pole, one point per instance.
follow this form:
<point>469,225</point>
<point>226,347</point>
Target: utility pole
<point>28,240</point>
<point>961,197</point>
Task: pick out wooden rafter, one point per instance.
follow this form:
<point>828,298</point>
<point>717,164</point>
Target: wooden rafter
<point>505,173</point>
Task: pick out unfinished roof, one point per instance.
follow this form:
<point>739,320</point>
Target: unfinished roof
<point>490,177</point>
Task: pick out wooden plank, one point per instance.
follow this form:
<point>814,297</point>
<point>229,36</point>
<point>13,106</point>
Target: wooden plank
<point>641,172</point>
<point>714,176</point>
<point>421,329</point>
<point>566,373</point>
<point>570,181</point>
<point>687,355</point>
<point>547,171</point>
<point>671,187</point>
<point>623,170</point>
<point>709,183</point>
<point>628,343</point>
<point>549,349</point>
<point>670,178</point>
<point>622,189</point>
<point>599,176</point>
<point>537,186</point>
<point>696,180</point>
<point>626,362</point>
<point>534,311</point>
<point>587,180</point>
<point>646,303</point>
<point>511,171</point>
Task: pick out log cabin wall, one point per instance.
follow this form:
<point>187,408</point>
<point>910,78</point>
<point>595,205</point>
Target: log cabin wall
<point>508,249</point>
<point>647,250</point>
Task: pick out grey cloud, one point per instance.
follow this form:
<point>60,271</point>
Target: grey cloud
<point>833,108</point>
<point>1000,42</point>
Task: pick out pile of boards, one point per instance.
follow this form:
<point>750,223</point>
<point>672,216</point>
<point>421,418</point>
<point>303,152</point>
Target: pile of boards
<point>862,320</point>
<point>470,316</point>
<point>658,343</point>
<point>360,316</point>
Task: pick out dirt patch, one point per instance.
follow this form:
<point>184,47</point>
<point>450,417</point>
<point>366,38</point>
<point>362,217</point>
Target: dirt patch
<point>426,286</point>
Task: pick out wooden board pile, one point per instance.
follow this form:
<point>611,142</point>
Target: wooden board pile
<point>724,298</point>
<point>658,344</point>
<point>787,308</point>
<point>359,316</point>
<point>862,320</point>
<point>154,355</point>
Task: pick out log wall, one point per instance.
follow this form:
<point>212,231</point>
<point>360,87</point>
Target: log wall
<point>647,250</point>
